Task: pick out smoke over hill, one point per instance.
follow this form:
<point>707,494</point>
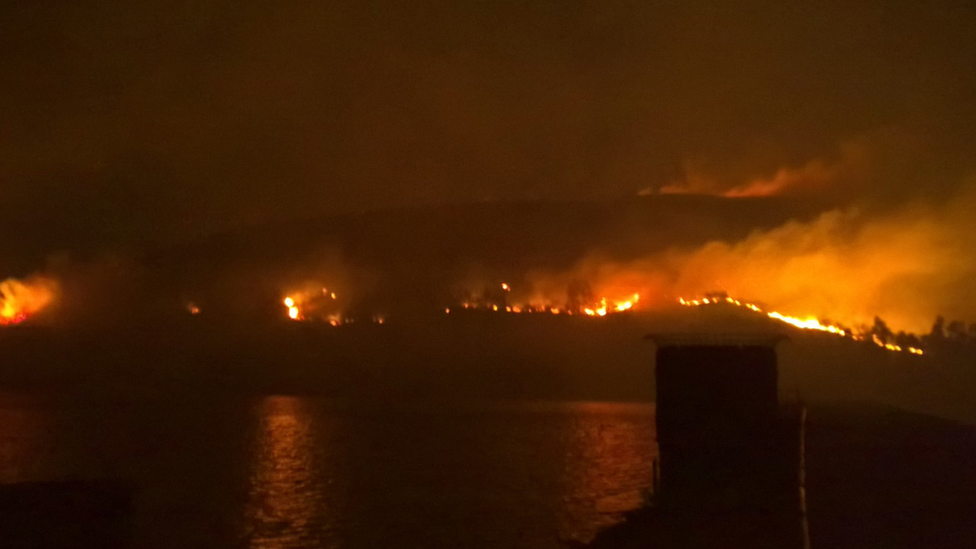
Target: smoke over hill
<point>906,264</point>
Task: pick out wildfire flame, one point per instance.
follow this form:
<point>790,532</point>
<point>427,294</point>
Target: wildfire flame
<point>316,306</point>
<point>291,306</point>
<point>601,308</point>
<point>807,323</point>
<point>19,300</point>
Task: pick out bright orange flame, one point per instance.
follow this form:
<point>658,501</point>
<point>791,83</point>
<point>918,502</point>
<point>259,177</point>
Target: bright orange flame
<point>289,302</point>
<point>602,308</point>
<point>808,323</point>
<point>293,312</point>
<point>21,299</point>
<point>506,287</point>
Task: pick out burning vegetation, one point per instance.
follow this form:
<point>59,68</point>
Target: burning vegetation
<point>316,305</point>
<point>321,305</point>
<point>905,265</point>
<point>873,335</point>
<point>580,300</point>
<point>22,299</point>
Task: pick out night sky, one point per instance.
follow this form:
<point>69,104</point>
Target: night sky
<point>125,120</point>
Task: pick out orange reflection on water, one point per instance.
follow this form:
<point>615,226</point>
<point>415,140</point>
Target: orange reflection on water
<point>285,488</point>
<point>608,463</point>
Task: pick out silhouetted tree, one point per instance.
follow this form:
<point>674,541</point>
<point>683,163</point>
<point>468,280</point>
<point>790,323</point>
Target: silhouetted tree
<point>937,335</point>
<point>881,330</point>
<point>956,331</point>
<point>904,339</point>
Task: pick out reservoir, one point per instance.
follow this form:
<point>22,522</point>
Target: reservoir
<point>281,472</point>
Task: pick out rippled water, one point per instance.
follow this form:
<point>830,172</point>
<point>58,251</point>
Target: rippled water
<point>284,472</point>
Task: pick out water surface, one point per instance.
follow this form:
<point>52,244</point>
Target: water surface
<point>289,472</point>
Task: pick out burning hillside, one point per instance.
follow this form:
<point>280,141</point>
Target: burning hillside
<point>803,323</point>
<point>581,303</point>
<point>906,265</point>
<point>580,300</point>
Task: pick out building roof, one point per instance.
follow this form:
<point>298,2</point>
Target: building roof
<point>717,339</point>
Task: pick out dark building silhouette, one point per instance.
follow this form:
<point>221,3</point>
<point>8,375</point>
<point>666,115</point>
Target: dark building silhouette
<point>730,472</point>
<point>720,428</point>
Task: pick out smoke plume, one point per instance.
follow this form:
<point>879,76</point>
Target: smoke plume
<point>906,265</point>
<point>889,166</point>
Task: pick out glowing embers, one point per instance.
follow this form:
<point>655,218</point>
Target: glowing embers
<point>323,306</point>
<point>313,306</point>
<point>19,300</point>
<point>300,307</point>
<point>807,323</point>
<point>891,346</point>
<point>291,305</point>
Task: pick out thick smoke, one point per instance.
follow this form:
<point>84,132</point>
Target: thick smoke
<point>890,243</point>
<point>886,167</point>
<point>813,176</point>
<point>906,265</point>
